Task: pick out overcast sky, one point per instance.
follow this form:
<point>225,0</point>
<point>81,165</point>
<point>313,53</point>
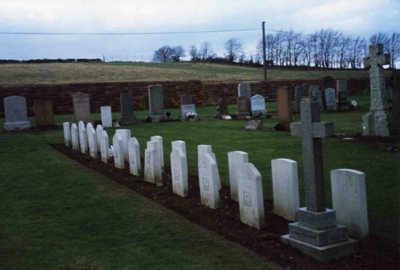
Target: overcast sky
<point>352,17</point>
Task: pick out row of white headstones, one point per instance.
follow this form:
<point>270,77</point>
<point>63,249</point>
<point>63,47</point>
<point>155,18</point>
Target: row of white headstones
<point>245,179</point>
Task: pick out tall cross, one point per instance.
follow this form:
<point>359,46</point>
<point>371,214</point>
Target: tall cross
<point>376,59</point>
<point>311,130</point>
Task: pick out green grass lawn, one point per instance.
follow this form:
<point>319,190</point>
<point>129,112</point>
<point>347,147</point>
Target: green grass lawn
<point>56,73</point>
<point>57,213</point>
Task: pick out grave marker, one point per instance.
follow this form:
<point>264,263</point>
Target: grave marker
<point>92,141</point>
<point>179,172</point>
<point>207,149</point>
<point>251,201</point>
<point>104,146</point>
<point>127,109</point>
<point>106,116</point>
<point>330,100</point>
<point>160,149</point>
<point>243,106</point>
<point>75,137</point>
<point>135,166</point>
<point>299,92</point>
<point>254,125</point>
<point>152,168</point>
<point>257,105</point>
<point>284,105</point>
<point>44,113</point>
<point>187,109</point>
<point>99,133</point>
<point>83,137</point>
<point>236,160</point>
<point>208,181</point>
<point>223,107</point>
<point>156,102</point>
<point>180,144</point>
<point>67,133</point>
<point>81,107</point>
<point>125,135</point>
<point>15,113</point>
<point>118,151</point>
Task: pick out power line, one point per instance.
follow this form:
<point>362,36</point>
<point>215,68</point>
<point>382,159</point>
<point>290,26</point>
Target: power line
<point>127,33</point>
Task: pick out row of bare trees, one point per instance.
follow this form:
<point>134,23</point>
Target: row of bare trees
<point>325,48</point>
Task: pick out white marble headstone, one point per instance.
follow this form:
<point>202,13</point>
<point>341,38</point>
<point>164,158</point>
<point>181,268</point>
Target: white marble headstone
<point>236,160</point>
<point>92,141</point>
<point>153,172</point>
<point>83,137</point>
<point>104,147</point>
<point>251,200</point>
<point>67,133</point>
<point>207,149</point>
<point>125,136</point>
<point>180,144</point>
<point>106,116</point>
<point>208,182</point>
<point>179,172</point>
<point>135,165</point>
<point>99,133</point>
<point>119,161</point>
<point>160,149</point>
<point>75,137</point>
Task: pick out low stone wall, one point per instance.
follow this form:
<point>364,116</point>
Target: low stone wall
<point>107,94</point>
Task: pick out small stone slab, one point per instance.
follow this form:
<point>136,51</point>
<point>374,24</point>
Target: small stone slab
<point>330,100</point>
<point>254,125</point>
<point>119,161</point>
<point>153,173</point>
<point>127,109</point>
<point>67,133</point>
<point>179,172</point>
<point>104,147</point>
<point>349,200</point>
<point>99,133</point>
<point>318,237</point>
<point>135,166</point>
<point>92,141</point>
<point>285,186</point>
<point>83,138</point>
<point>160,149</point>
<point>81,107</point>
<point>257,105</point>
<point>208,182</point>
<point>106,116</point>
<point>125,135</point>
<point>251,201</point>
<point>236,160</point>
<point>16,113</point>
<point>44,113</point>
<point>75,137</point>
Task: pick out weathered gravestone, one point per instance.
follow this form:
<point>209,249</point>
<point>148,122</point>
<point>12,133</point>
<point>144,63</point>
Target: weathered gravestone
<point>251,200</point>
<point>244,90</point>
<point>152,165</point>
<point>349,200</point>
<point>299,92</point>
<point>330,100</point>
<point>257,105</point>
<point>15,113</point>
<point>222,108</point>
<point>83,137</point>
<point>106,116</point>
<point>67,133</point>
<point>127,110</point>
<point>341,88</point>
<point>135,165</point>
<point>118,146</point>
<point>316,233</point>
<point>284,106</point>
<point>44,113</point>
<point>74,137</point>
<point>243,107</point>
<point>375,122</point>
<point>285,186</point>
<point>254,125</point>
<point>187,106</point>
<point>179,172</point>
<point>81,107</point>
<point>160,149</point>
<point>92,141</point>
<point>99,133</point>
<point>316,93</point>
<point>156,102</point>
<point>208,181</point>
<point>104,147</point>
<point>125,136</point>
<point>207,149</point>
<point>236,160</point>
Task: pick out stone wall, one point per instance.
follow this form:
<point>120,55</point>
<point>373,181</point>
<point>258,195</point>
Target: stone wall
<point>107,94</point>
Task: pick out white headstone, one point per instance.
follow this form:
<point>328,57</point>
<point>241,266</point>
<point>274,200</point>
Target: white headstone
<point>83,137</point>
<point>99,133</point>
<point>153,173</point>
<point>285,186</point>
<point>208,181</point>
<point>119,161</point>
<point>236,160</point>
<point>179,172</point>
<point>67,133</point>
<point>75,137</point>
<point>104,147</point>
<point>258,104</point>
<point>160,149</point>
<point>251,200</point>
<point>125,135</point>
<point>207,149</point>
<point>106,116</point>
<point>92,139</point>
<point>135,165</point>
<point>180,144</point>
<point>349,200</point>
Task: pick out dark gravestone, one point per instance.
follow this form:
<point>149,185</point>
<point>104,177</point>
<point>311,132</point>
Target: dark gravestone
<point>81,107</point>
<point>316,232</point>
<point>127,109</point>
<point>223,107</point>
<point>284,105</point>
<point>44,113</point>
<point>244,89</point>
<point>254,125</point>
<point>186,99</point>
<point>156,102</point>
<point>343,104</point>
<point>299,92</point>
<point>243,106</point>
<point>15,113</point>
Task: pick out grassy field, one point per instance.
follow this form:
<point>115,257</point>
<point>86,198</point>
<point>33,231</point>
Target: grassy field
<point>57,213</point>
<point>118,72</point>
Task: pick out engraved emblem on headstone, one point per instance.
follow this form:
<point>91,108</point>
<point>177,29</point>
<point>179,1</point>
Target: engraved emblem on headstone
<point>247,198</point>
<point>176,174</point>
<point>206,184</point>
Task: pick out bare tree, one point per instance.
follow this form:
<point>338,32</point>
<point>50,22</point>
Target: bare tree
<point>163,54</point>
<point>177,53</point>
<point>233,47</point>
<point>194,54</point>
<point>206,51</point>
<point>344,45</point>
<point>394,49</point>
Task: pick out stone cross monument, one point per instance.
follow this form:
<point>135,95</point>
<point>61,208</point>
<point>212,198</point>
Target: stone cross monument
<point>375,121</point>
<point>316,233</point>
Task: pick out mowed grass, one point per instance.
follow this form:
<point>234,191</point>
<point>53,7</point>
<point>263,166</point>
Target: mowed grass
<point>62,73</point>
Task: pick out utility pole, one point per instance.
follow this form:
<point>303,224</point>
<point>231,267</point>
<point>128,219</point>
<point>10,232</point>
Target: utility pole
<point>264,53</point>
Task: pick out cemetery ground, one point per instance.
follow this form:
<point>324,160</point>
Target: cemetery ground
<point>59,214</point>
<point>56,73</point>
